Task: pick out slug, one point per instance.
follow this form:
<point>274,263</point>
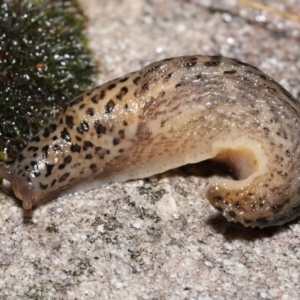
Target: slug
<point>170,113</point>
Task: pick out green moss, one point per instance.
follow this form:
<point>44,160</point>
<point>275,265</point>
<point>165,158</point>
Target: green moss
<point>44,63</point>
<point>109,224</point>
<point>52,228</point>
<point>155,196</point>
<point>142,212</point>
<point>80,267</point>
<point>180,190</point>
<point>37,291</point>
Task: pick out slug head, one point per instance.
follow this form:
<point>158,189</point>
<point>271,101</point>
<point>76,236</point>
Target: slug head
<point>21,189</point>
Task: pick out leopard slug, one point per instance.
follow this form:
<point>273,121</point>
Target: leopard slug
<point>171,113</point>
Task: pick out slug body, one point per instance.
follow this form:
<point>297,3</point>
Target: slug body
<point>171,113</point>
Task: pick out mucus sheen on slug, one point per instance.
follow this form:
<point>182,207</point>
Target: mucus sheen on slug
<point>170,113</point>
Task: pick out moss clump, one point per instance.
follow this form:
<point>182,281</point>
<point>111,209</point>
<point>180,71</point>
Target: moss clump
<point>44,63</point>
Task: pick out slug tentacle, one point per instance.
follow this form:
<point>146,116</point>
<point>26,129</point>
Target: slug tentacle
<point>174,112</point>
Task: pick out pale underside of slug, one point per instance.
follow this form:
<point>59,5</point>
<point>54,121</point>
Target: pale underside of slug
<point>171,113</point>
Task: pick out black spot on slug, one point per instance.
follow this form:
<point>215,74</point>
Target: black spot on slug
<point>101,95</point>
<point>79,130</point>
<point>124,79</point>
<point>43,186</point>
<point>88,156</point>
<point>193,58</point>
<point>64,177</point>
<point>116,141</point>
<point>111,86</point>
<point>68,159</point>
<point>214,61</point>
<point>122,133</point>
<point>211,63</point>
<point>49,169</point>
<point>75,148</point>
<point>218,198</point>
<point>94,99</point>
<point>190,64</point>
<point>230,72</point>
<point>45,151</point>
<point>33,163</point>
<point>46,132</point>
<point>262,76</point>
<point>179,84</point>
<point>109,106</point>
<point>145,86</point>
<point>97,149</point>
<point>87,145</point>
<point>100,129</point>
<point>136,80</point>
<point>56,148</point>
<point>167,77</point>
<point>267,130</point>
<point>69,121</point>
<point>52,127</point>
<point>65,135</point>
<point>33,149</point>
<point>90,111</point>
<point>53,182</point>
<point>153,68</point>
<point>84,126</point>
<point>20,157</point>
<point>93,167</point>
<point>35,139</point>
<point>61,166</point>
<point>276,208</point>
<point>82,106</point>
<point>36,173</point>
<point>122,93</point>
<point>231,214</point>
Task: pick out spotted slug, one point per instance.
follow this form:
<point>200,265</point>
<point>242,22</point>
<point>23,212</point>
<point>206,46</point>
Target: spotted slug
<point>170,113</point>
